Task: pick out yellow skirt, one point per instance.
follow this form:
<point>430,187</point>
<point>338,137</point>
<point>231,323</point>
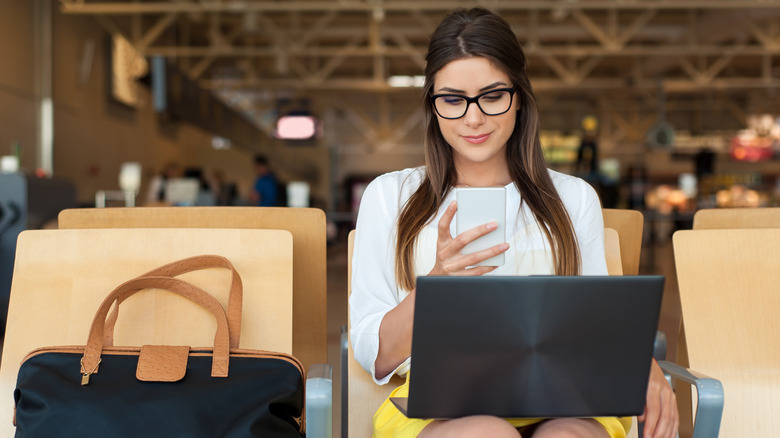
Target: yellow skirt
<point>389,422</point>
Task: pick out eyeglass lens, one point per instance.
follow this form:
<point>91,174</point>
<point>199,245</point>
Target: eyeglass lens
<point>491,103</point>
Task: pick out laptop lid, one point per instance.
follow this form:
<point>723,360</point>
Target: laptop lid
<point>539,346</point>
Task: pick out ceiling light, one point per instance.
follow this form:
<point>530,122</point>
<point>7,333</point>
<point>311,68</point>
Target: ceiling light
<point>296,127</point>
<point>406,81</point>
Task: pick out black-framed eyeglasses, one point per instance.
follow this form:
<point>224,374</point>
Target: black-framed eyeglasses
<point>492,103</point>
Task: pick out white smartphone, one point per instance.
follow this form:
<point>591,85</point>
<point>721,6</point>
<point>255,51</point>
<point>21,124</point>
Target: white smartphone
<point>478,206</point>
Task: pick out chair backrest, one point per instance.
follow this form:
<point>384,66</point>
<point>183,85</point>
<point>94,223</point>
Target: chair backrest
<point>61,277</point>
<point>728,281</point>
<point>629,225</point>
<point>307,226</point>
<point>719,218</point>
<point>364,396</point>
<point>612,251</point>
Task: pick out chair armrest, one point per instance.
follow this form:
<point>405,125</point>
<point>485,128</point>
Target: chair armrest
<point>709,410</point>
<point>659,346</point>
<point>319,401</point>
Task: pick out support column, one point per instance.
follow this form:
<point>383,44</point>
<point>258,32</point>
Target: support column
<point>44,101</point>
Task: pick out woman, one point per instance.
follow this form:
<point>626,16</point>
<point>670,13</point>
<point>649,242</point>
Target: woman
<point>482,130</point>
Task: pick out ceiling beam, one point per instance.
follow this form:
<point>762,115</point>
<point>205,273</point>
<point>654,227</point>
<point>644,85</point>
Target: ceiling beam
<point>408,50</point>
<point>106,8</point>
<point>217,40</point>
<point>157,30</point>
<point>587,85</point>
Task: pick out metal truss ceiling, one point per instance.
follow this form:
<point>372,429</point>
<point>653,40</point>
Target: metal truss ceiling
<point>603,50</point>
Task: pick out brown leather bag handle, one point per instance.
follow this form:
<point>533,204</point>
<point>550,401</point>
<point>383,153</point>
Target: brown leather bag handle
<point>183,266</point>
<point>94,347</point>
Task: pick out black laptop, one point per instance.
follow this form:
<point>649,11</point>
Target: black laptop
<point>538,347</point>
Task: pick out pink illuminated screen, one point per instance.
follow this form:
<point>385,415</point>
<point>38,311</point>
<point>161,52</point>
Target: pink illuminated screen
<point>296,127</point>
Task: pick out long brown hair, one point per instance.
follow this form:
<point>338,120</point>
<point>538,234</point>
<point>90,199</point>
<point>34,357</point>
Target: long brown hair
<point>478,32</point>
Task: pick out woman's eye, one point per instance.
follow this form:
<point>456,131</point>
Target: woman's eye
<point>491,97</point>
<point>453,100</point>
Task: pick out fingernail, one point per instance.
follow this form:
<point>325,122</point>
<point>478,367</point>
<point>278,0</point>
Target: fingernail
<point>453,204</point>
<point>504,246</point>
<point>492,225</point>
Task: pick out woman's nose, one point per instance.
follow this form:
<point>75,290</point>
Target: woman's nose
<point>474,116</point>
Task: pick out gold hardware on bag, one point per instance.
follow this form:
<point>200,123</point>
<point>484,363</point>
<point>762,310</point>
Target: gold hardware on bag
<point>85,376</point>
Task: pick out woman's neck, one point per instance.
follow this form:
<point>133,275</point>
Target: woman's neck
<point>482,176</point>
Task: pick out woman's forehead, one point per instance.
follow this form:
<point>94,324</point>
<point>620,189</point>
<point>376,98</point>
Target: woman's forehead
<point>469,75</point>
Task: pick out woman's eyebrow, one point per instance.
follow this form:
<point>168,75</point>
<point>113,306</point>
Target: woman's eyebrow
<point>451,90</point>
<point>493,85</point>
<point>454,90</point>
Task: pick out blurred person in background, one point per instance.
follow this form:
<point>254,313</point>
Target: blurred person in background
<point>264,192</point>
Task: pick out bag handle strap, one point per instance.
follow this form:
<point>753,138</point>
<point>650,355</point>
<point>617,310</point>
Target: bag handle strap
<point>190,264</point>
<point>94,347</point>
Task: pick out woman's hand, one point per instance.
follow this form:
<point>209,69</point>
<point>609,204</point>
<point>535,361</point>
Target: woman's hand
<point>395,331</point>
<point>661,416</point>
<point>449,260</point>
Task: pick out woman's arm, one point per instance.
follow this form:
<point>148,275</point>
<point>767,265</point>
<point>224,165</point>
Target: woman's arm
<point>381,315</point>
<point>395,338</point>
<point>374,289</point>
<point>395,332</point>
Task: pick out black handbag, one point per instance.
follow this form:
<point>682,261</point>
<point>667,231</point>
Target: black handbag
<point>99,390</point>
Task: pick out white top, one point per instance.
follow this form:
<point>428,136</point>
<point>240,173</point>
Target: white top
<point>374,289</point>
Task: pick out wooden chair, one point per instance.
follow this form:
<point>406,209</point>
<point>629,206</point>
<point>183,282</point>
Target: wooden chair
<point>361,397</point>
<point>719,218</point>
<point>715,219</point>
<point>61,276</point>
<point>307,226</point>
<point>629,225</point>
<point>728,282</point>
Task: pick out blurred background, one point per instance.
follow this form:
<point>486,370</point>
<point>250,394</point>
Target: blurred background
<point>664,106</point>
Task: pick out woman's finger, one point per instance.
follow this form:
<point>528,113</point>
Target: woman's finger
<point>466,265</point>
<point>475,233</point>
<point>445,221</point>
<point>674,415</point>
<point>450,260</point>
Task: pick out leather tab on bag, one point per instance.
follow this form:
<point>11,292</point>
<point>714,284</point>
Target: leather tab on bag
<point>162,363</point>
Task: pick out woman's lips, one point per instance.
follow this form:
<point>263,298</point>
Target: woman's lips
<point>476,139</point>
